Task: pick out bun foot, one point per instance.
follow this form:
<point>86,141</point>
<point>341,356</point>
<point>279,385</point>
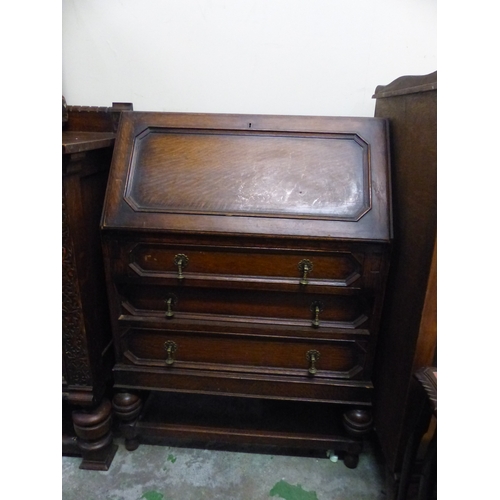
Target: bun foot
<point>127,408</point>
<point>351,461</point>
<point>357,422</point>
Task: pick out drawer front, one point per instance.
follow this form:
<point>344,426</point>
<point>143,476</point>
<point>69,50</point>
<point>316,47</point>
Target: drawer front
<point>316,310</point>
<point>236,352</point>
<point>304,268</point>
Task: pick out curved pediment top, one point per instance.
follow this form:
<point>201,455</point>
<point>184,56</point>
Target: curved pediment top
<point>410,84</point>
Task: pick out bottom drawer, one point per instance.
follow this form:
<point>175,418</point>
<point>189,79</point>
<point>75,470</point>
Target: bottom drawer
<point>240,352</point>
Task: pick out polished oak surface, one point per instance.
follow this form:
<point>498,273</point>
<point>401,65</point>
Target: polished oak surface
<point>246,256</point>
<point>251,175</point>
<point>275,175</point>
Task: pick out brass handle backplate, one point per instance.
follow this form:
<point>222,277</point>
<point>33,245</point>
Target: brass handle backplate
<point>170,301</point>
<point>171,348</point>
<point>312,356</point>
<point>316,308</point>
<point>181,261</point>
<point>305,267</point>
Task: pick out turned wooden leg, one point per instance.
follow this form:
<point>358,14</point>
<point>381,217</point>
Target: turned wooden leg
<point>357,423</point>
<point>351,460</point>
<point>127,407</point>
<point>94,437</point>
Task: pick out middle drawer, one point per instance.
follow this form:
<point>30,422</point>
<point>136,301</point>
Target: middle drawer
<point>219,304</point>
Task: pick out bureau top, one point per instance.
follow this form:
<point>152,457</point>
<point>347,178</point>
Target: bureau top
<point>325,177</point>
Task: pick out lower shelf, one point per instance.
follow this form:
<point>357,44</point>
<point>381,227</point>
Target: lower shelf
<point>224,422</point>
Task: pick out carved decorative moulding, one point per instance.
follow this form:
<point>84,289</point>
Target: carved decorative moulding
<point>73,326</point>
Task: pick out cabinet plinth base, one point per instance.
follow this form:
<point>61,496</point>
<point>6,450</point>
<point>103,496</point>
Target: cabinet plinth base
<point>99,460</point>
<point>94,439</point>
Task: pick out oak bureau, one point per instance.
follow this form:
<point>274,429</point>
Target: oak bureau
<point>246,258</point>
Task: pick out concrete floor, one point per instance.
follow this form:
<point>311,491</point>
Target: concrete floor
<point>174,473</point>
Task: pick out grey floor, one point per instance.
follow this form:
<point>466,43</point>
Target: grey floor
<point>174,473</point>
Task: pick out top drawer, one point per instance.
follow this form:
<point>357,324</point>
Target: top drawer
<point>190,264</point>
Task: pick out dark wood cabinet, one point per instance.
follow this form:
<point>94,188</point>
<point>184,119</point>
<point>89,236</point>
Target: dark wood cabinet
<point>87,355</point>
<point>408,339</point>
<point>246,260</point>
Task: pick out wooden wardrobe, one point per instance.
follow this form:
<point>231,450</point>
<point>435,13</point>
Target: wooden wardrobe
<point>408,326</point>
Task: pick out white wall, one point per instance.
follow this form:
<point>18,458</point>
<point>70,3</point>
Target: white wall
<point>315,57</point>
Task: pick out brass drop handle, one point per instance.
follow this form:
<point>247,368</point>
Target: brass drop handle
<point>312,356</point>
<point>181,261</point>
<point>316,308</point>
<point>170,301</point>
<point>305,267</point>
<point>171,348</point>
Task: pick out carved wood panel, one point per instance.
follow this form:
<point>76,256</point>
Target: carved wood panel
<point>73,327</point>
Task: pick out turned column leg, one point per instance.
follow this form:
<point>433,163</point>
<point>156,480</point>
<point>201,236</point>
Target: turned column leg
<point>127,407</point>
<point>358,423</point>
<point>94,437</point>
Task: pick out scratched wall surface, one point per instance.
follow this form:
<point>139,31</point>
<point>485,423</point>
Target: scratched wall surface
<point>170,473</point>
<point>279,175</point>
